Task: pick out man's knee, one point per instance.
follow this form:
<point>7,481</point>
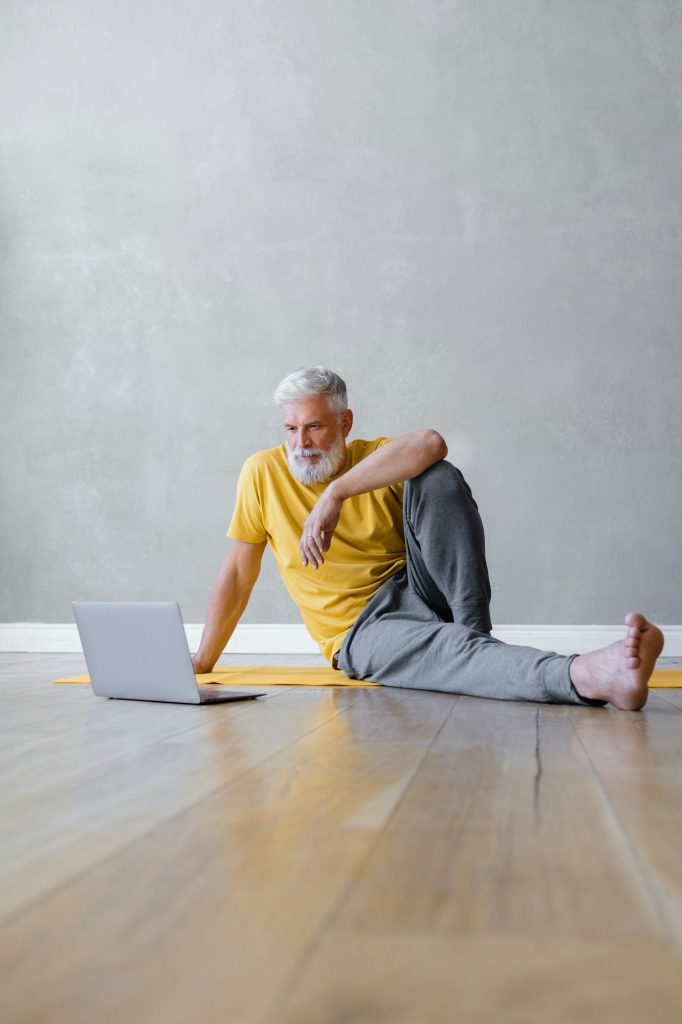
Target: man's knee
<point>440,487</point>
<point>440,477</point>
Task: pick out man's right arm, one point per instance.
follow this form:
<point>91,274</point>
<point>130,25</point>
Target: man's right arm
<point>230,596</point>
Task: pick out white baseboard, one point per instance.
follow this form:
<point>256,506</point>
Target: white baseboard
<point>284,638</point>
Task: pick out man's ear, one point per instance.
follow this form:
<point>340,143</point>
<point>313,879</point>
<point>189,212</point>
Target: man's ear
<point>346,421</point>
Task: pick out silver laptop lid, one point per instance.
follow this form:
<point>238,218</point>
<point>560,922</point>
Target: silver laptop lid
<point>136,649</point>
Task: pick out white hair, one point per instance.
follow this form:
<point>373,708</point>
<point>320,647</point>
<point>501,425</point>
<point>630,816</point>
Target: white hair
<point>315,380</point>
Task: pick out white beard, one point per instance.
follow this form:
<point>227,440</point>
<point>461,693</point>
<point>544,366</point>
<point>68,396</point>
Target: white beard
<point>329,463</point>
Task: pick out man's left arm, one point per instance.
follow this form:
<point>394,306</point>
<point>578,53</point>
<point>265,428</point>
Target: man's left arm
<point>401,459</point>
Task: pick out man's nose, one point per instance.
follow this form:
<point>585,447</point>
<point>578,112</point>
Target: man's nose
<point>303,439</point>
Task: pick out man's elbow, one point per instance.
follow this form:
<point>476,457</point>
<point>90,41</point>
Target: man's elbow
<point>437,444</point>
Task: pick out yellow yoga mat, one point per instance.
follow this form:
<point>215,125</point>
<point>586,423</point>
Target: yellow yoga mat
<point>264,675</point>
<point>662,678</point>
<point>277,675</point>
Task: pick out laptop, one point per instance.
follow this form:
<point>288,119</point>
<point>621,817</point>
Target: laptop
<point>137,650</point>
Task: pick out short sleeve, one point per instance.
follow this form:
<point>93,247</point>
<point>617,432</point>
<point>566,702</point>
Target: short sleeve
<point>247,519</point>
<point>368,447</point>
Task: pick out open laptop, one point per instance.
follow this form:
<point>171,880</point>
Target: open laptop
<point>137,650</point>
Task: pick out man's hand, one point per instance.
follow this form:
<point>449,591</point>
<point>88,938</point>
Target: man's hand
<point>318,529</point>
<point>199,668</point>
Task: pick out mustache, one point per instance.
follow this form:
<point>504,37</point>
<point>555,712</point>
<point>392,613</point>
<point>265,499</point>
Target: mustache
<point>302,452</point>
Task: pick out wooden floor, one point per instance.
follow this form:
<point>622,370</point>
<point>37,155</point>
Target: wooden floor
<point>336,855</point>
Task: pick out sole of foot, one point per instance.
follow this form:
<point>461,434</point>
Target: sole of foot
<point>619,673</point>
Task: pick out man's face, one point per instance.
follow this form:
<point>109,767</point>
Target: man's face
<point>315,438</point>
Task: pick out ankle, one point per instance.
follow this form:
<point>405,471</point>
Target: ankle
<point>578,672</point>
<point>580,678</point>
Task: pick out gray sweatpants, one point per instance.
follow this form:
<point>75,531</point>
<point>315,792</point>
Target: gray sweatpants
<point>428,627</point>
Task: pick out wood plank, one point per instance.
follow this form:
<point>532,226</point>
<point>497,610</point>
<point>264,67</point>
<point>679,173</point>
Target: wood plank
<point>504,846</point>
<point>32,673</point>
<point>376,977</point>
<point>364,872</point>
<point>26,727</point>
<point>670,698</point>
<point>204,916</point>
<point>637,763</point>
<point>82,797</point>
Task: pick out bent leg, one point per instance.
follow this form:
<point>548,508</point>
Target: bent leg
<point>445,544</point>
<point>428,627</point>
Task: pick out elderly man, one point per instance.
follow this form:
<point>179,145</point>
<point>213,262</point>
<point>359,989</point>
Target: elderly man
<point>381,546</point>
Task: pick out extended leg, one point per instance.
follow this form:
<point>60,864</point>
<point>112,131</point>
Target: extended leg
<point>402,642</point>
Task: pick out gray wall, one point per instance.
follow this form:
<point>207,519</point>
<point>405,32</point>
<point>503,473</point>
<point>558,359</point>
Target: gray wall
<point>471,210</point>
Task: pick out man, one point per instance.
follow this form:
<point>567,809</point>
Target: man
<point>381,546</point>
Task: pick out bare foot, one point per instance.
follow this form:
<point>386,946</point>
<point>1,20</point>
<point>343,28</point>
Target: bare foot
<point>620,672</point>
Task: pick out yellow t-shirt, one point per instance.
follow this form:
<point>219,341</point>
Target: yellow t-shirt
<point>368,544</point>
